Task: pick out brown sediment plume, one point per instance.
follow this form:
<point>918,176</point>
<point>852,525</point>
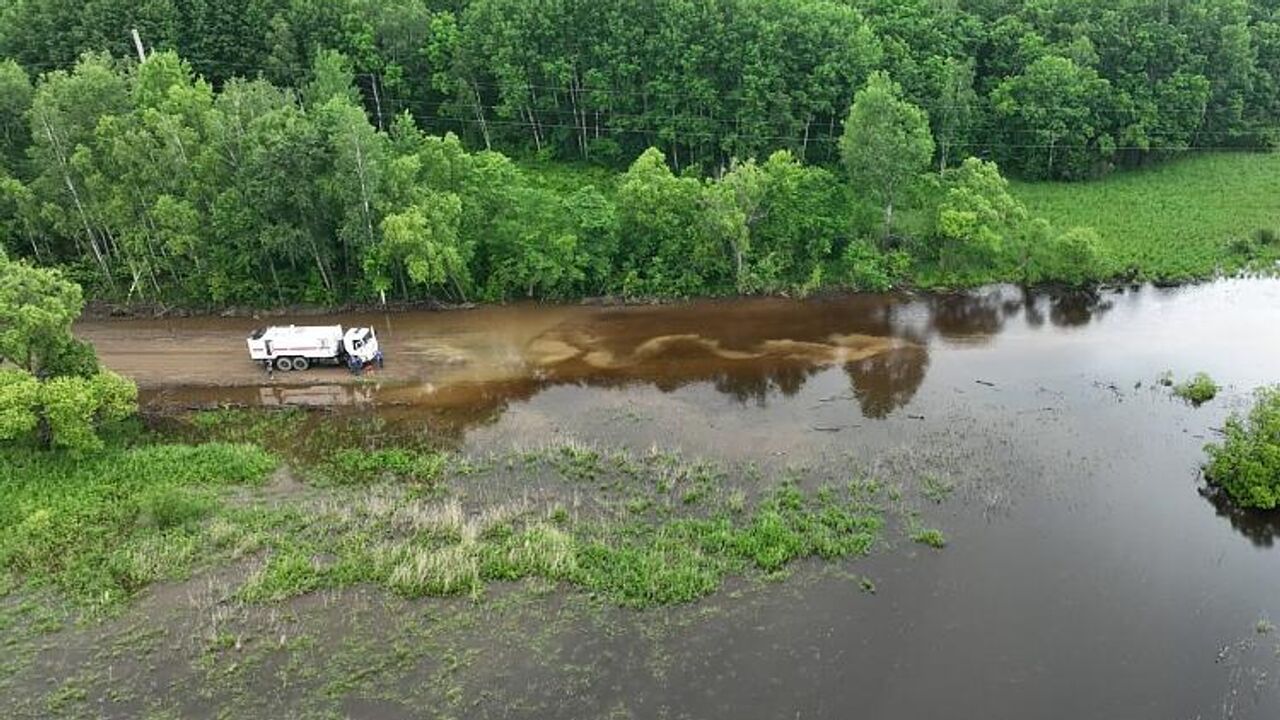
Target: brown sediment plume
<point>838,349</point>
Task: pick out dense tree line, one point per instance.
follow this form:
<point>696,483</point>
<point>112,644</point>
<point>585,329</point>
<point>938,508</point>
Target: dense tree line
<point>1047,88</point>
<point>148,184</point>
<point>330,150</point>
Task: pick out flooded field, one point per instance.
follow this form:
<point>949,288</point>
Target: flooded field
<point>1085,575</point>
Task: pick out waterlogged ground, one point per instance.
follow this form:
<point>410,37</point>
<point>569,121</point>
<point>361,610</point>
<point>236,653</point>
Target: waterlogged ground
<point>1084,573</point>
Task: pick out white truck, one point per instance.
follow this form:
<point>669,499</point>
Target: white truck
<point>298,347</point>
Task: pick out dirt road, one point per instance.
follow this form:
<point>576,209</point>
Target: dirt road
<point>448,357</point>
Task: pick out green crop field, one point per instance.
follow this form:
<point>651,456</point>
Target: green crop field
<point>1171,222</point>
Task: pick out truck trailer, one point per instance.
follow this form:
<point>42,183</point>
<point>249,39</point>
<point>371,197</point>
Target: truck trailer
<point>298,347</point>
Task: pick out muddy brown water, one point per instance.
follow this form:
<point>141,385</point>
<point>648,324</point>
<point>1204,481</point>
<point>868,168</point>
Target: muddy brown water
<point>1086,576</point>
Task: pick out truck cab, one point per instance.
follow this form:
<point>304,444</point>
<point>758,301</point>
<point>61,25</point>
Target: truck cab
<point>361,345</point>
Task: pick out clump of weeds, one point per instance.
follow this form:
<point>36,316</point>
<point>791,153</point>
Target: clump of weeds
<point>936,488</point>
<point>929,536</point>
<point>1198,390</point>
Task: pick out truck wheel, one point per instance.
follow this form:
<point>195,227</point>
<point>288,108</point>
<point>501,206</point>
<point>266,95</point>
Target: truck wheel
<point>284,364</point>
<point>301,363</point>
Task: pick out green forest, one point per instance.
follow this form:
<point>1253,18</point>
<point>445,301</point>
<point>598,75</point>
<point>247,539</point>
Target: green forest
<point>272,152</point>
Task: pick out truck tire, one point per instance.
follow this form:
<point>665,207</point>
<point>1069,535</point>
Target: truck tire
<point>284,364</point>
<point>301,363</point>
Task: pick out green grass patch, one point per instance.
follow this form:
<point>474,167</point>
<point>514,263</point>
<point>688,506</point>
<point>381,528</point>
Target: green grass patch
<point>99,527</point>
<point>364,466</point>
<point>642,564</point>
<point>247,426</point>
<point>1182,220</point>
<point>331,449</point>
<point>935,488</point>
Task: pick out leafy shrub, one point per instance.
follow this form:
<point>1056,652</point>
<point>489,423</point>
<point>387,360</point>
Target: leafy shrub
<point>71,357</point>
<point>19,396</point>
<point>69,405</point>
<point>1247,463</point>
<point>977,216</point>
<point>1074,257</point>
<point>862,267</point>
<point>1198,390</point>
<point>67,410</point>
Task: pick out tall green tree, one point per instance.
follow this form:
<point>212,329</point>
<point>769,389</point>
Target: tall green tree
<point>1052,118</point>
<point>422,240</point>
<point>886,143</point>
<point>733,206</point>
<point>955,109</point>
<point>20,220</point>
<point>64,117</point>
<point>802,222</point>
<point>16,93</point>
<point>145,168</point>
<point>358,157</point>
<point>542,253</point>
<point>593,218</point>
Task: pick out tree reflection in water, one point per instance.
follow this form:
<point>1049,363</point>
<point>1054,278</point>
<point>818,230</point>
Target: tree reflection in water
<point>758,383</point>
<point>1261,527</point>
<point>886,382</point>
<point>1075,309</point>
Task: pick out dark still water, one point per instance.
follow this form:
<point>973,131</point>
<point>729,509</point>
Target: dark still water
<point>1086,575</point>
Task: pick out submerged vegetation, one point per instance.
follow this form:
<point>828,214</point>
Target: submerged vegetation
<point>1198,390</point>
<point>1246,464</point>
<point>931,537</point>
<point>635,530</point>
